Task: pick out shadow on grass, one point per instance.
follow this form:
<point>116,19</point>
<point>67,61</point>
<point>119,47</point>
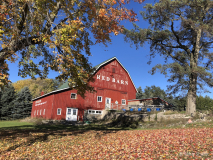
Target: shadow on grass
<point>42,133</point>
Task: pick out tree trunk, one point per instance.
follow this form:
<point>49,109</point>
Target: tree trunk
<point>191,103</point>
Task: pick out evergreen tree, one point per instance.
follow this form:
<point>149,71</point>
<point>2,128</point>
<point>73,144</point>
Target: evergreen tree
<point>7,100</point>
<point>180,30</point>
<point>23,104</point>
<point>154,91</point>
<point>139,94</point>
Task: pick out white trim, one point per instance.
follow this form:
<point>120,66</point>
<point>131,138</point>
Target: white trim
<point>101,98</point>
<point>58,110</point>
<point>40,111</point>
<point>74,94</point>
<point>122,101</point>
<point>44,112</point>
<point>37,112</point>
<point>91,111</point>
<point>34,112</point>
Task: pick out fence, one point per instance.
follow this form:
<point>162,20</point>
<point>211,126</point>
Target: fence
<point>114,106</point>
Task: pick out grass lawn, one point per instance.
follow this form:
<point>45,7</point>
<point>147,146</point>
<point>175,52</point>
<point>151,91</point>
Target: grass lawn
<point>22,140</point>
<point>15,124</point>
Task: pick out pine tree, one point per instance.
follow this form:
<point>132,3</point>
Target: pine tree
<point>139,94</point>
<point>180,31</point>
<point>7,100</point>
<point>23,104</point>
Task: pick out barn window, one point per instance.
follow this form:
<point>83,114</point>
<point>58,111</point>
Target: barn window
<point>113,70</point>
<point>73,96</point>
<point>123,102</point>
<point>40,112</point>
<point>99,99</point>
<point>94,112</point>
<point>59,111</point>
<point>37,112</point>
<point>44,112</point>
<point>34,113</point>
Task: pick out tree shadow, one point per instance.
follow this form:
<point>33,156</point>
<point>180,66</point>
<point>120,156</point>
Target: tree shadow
<point>42,133</point>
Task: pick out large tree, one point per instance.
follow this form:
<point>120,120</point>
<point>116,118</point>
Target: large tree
<point>180,30</point>
<point>58,34</point>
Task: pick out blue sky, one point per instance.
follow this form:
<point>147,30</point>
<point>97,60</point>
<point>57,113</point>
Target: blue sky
<point>135,61</point>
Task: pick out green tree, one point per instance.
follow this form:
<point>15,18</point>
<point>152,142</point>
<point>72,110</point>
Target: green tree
<point>37,86</point>
<point>181,31</point>
<point>154,91</point>
<point>22,104</point>
<point>7,100</point>
<point>139,94</point>
<point>204,103</point>
<point>58,34</point>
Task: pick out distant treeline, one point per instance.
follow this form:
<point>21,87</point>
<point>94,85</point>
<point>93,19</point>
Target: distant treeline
<point>202,103</point>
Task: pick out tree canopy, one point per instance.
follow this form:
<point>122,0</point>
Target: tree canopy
<point>37,86</point>
<point>58,34</point>
<point>180,31</point>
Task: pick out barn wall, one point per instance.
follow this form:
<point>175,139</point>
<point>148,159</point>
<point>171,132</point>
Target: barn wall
<point>111,81</point>
<point>42,104</point>
<point>63,100</point>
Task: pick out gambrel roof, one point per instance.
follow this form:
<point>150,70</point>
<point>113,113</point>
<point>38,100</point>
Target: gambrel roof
<point>97,67</point>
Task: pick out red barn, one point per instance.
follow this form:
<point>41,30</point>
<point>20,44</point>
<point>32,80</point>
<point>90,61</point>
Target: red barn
<point>112,83</point>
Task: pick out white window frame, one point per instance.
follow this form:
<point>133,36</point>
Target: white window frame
<point>40,112</point>
<point>37,112</point>
<point>34,112</point>
<point>98,97</point>
<point>44,112</point>
<point>58,110</point>
<point>74,94</point>
<point>91,111</point>
<point>122,101</point>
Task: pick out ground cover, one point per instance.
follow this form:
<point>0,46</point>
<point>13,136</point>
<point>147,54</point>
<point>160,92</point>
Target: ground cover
<point>101,142</point>
<point>17,123</point>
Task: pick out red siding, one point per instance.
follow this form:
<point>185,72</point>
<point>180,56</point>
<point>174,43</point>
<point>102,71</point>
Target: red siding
<point>111,80</point>
<point>63,100</point>
<point>41,104</point>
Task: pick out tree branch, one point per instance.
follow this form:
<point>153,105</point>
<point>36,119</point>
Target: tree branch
<point>178,40</point>
<point>51,18</point>
<point>24,15</point>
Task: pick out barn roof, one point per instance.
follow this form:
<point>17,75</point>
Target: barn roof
<point>66,86</point>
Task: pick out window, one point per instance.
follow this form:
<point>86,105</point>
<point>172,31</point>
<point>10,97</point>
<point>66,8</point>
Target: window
<point>59,111</point>
<point>99,99</point>
<point>73,96</point>
<point>123,102</point>
<point>44,112</point>
<point>74,112</point>
<point>94,112</point>
<point>113,70</point>
<point>37,112</point>
<point>34,113</point>
<point>40,112</point>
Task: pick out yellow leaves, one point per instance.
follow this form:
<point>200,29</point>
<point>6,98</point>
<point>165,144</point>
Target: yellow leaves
<point>3,46</point>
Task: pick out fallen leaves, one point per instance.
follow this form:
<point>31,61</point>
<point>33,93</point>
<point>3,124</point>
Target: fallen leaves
<point>156,144</point>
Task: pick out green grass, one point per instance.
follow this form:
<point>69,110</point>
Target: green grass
<point>15,124</point>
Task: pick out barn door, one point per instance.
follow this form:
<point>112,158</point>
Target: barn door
<point>72,114</point>
<point>108,103</point>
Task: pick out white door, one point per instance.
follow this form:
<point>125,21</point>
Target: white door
<point>72,114</point>
<point>108,103</point>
